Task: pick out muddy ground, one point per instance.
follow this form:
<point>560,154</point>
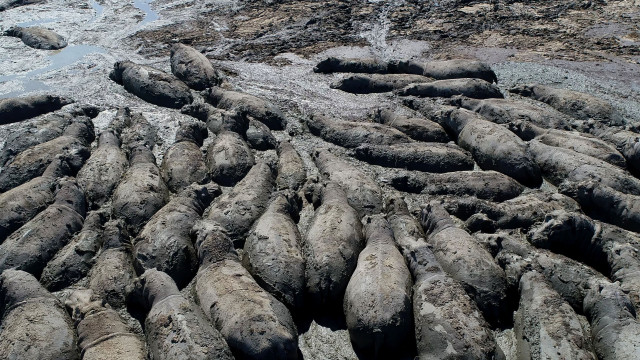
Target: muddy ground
<point>268,48</point>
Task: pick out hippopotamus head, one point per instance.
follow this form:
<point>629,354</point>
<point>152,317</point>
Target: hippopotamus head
<point>523,90</point>
<point>118,68</point>
<point>525,130</point>
<point>212,243</point>
<point>83,302</point>
<point>154,286</point>
<point>194,132</point>
<point>176,47</point>
<point>326,65</point>
<point>15,31</point>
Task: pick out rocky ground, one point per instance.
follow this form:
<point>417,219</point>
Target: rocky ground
<point>269,48</point>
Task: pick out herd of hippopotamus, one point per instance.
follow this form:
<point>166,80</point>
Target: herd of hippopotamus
<point>490,251</point>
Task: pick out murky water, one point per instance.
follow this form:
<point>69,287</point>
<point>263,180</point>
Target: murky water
<point>57,60</point>
<point>99,9</point>
<point>149,14</point>
<point>20,84</point>
<point>36,22</point>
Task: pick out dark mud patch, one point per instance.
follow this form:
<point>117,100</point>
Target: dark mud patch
<point>257,31</point>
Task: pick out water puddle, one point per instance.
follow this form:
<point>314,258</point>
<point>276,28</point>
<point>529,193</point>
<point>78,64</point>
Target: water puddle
<point>58,60</point>
<point>26,86</point>
<point>99,9</point>
<point>149,14</point>
<point>36,22</point>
